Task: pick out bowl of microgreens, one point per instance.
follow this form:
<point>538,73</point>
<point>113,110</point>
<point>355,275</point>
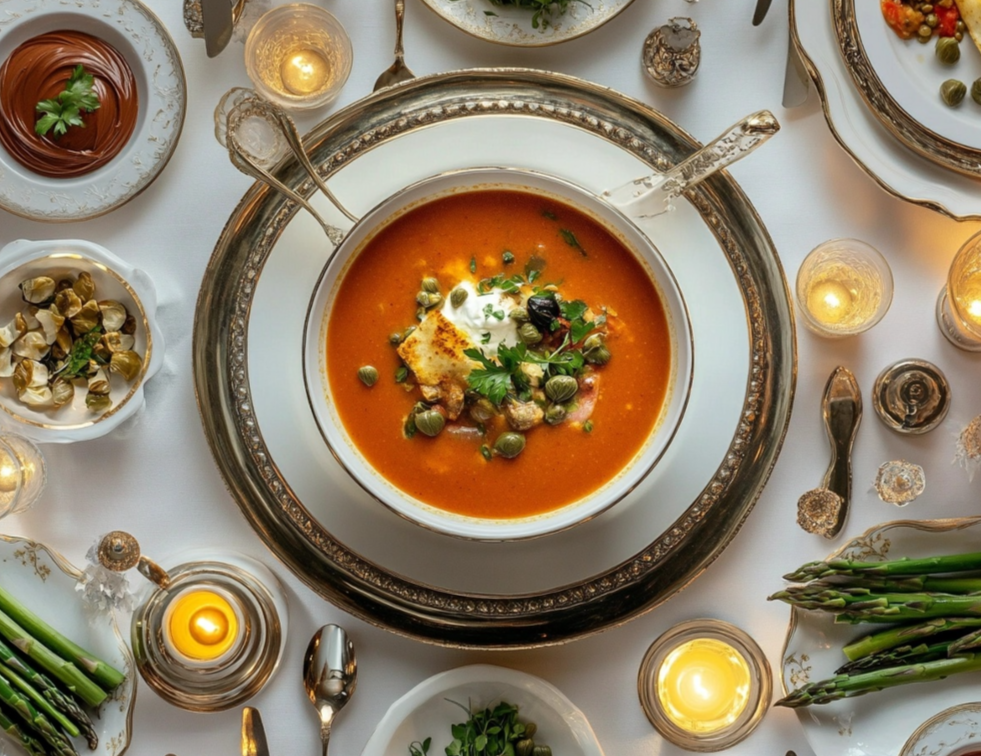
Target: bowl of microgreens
<point>496,354</point>
<point>78,339</point>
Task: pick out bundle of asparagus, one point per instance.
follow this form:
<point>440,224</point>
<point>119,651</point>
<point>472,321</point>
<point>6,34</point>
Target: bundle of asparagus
<point>45,681</point>
<point>939,605</point>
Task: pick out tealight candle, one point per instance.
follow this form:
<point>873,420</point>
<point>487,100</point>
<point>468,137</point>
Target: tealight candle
<point>298,56</point>
<point>201,625</point>
<point>22,474</point>
<point>844,287</point>
<point>959,304</point>
<point>704,685</point>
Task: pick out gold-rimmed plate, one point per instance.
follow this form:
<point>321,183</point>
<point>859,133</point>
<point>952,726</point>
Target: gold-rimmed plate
<point>878,723</point>
<point>900,81</point>
<point>391,572</point>
<point>45,582</point>
<point>516,26</point>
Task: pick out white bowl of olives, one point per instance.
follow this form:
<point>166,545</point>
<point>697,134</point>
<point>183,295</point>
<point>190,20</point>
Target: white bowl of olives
<point>77,339</point>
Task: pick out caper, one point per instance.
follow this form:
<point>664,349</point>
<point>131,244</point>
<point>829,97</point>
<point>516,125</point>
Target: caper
<point>519,315</point>
<point>959,36</point>
<point>561,388</point>
<point>528,334</point>
<point>948,51</point>
<point>458,296</point>
<point>960,26</point>
<point>482,410</point>
<point>555,414</point>
<point>924,32</point>
<point>430,422</point>
<point>530,729</point>
<point>421,313</point>
<point>434,299</point>
<point>431,285</point>
<point>599,356</point>
<point>524,747</point>
<point>541,750</point>
<point>368,375</point>
<point>509,445</point>
<point>593,341</point>
<point>952,92</point>
<point>931,20</point>
<point>976,91</point>
<point>395,339</point>
<point>926,8</point>
<point>422,298</point>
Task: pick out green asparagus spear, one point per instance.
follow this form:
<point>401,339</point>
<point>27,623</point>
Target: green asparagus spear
<point>62,670</point>
<point>40,723</point>
<point>927,566</point>
<point>886,607</point>
<point>907,584</point>
<point>41,703</point>
<point>849,685</point>
<point>897,657</point>
<point>898,636</point>
<point>33,746</point>
<point>102,672</point>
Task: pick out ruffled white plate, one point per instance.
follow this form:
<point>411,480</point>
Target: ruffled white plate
<point>427,711</point>
<point>876,724</point>
<point>44,581</point>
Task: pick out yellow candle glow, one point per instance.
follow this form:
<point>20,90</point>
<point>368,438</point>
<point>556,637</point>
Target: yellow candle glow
<point>967,297</point>
<point>703,685</point>
<point>305,71</point>
<point>202,625</point>
<point>830,302</point>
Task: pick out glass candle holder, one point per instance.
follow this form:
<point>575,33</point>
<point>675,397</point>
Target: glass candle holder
<point>211,636</point>
<point>844,287</point>
<point>959,303</point>
<point>298,56</point>
<point>705,685</point>
<point>953,732</point>
<point>22,474</point>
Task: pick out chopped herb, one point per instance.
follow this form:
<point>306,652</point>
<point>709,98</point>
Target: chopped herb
<point>409,427</point>
<point>555,325</point>
<point>401,374</point>
<point>546,213</point>
<point>588,426</point>
<point>488,309</point>
<point>579,329</point>
<point>489,13</point>
<point>420,749</point>
<point>473,265</point>
<point>491,380</point>
<point>486,452</point>
<point>508,257</point>
<point>572,241</point>
<point>81,352</point>
<point>485,338</point>
<point>66,109</point>
<point>574,309</point>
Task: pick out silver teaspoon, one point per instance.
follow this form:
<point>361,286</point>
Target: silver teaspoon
<point>330,675</point>
<point>398,71</point>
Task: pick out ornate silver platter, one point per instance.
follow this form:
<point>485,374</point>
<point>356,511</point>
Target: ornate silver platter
<point>374,564</point>
<point>514,26</point>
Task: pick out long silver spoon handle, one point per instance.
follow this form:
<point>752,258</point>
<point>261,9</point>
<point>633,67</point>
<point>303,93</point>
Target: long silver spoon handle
<point>399,22</point>
<point>652,195</point>
<point>326,720</point>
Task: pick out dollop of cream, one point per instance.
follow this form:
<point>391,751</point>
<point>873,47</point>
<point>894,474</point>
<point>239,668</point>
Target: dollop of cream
<point>480,315</point>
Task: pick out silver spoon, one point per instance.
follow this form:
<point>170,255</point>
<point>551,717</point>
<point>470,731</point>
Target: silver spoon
<point>330,675</point>
<point>398,71</point>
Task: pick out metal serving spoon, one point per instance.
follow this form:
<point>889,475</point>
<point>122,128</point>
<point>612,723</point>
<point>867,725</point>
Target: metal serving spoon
<point>398,71</point>
<point>330,675</point>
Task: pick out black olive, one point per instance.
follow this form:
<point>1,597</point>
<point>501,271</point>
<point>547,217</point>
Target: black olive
<point>542,311</point>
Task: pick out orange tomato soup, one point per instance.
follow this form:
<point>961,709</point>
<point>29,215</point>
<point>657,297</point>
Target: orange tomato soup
<point>560,464</point>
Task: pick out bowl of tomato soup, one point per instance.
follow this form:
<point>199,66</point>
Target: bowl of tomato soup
<point>496,354</point>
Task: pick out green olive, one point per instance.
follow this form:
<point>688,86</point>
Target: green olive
<point>555,414</point>
<point>524,747</point>
<point>541,750</point>
<point>952,92</point>
<point>519,315</point>
<point>948,51</point>
<point>509,445</point>
<point>458,296</point>
<point>976,91</point>
<point>599,356</point>
<point>368,375</point>
<point>430,422</point>
<point>561,388</point>
<point>431,285</point>
<point>529,334</point>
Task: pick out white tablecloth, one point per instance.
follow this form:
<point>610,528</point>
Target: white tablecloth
<point>157,479</point>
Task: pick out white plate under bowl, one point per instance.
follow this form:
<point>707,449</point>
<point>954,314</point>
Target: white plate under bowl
<point>140,37</point>
<point>114,279</point>
<point>427,711</point>
<point>44,581</point>
<point>534,184</point>
<point>879,723</point>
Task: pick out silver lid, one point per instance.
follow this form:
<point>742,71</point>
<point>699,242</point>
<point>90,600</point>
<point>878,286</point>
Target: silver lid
<point>911,396</point>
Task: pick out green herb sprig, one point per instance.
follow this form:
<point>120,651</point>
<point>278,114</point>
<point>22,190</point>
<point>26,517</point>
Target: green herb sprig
<point>66,109</point>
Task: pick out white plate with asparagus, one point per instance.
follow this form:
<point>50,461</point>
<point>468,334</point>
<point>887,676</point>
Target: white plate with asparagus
<point>910,585</point>
<point>66,675</point>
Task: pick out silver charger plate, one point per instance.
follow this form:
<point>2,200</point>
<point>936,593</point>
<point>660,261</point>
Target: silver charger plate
<point>374,564</point>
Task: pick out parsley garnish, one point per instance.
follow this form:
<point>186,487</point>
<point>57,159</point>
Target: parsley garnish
<point>485,338</point>
<point>66,109</point>
<point>78,359</point>
<point>507,257</point>
<point>588,426</point>
<point>574,312</point>
<point>546,213</point>
<point>496,380</point>
<point>401,374</point>
<point>473,265</point>
<point>572,241</point>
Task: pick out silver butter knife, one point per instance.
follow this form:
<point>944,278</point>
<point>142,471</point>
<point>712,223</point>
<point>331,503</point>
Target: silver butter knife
<point>842,411</point>
<point>762,6</point>
<point>218,22</point>
<point>253,733</point>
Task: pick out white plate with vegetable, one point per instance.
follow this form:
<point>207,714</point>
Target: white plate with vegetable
<point>432,709</point>
<point>876,724</point>
<point>44,583</point>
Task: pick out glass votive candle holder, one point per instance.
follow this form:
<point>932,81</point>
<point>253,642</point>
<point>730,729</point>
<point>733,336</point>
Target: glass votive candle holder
<point>705,685</point>
<point>953,732</point>
<point>959,303</point>
<point>22,474</point>
<point>844,287</point>
<point>298,56</point>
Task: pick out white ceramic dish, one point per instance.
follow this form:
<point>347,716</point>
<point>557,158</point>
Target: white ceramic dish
<point>427,711</point>
<point>898,170</point>
<point>876,724</point>
<point>513,26</point>
<point>141,38</point>
<point>44,582</point>
<point>482,179</point>
<point>114,279</point>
